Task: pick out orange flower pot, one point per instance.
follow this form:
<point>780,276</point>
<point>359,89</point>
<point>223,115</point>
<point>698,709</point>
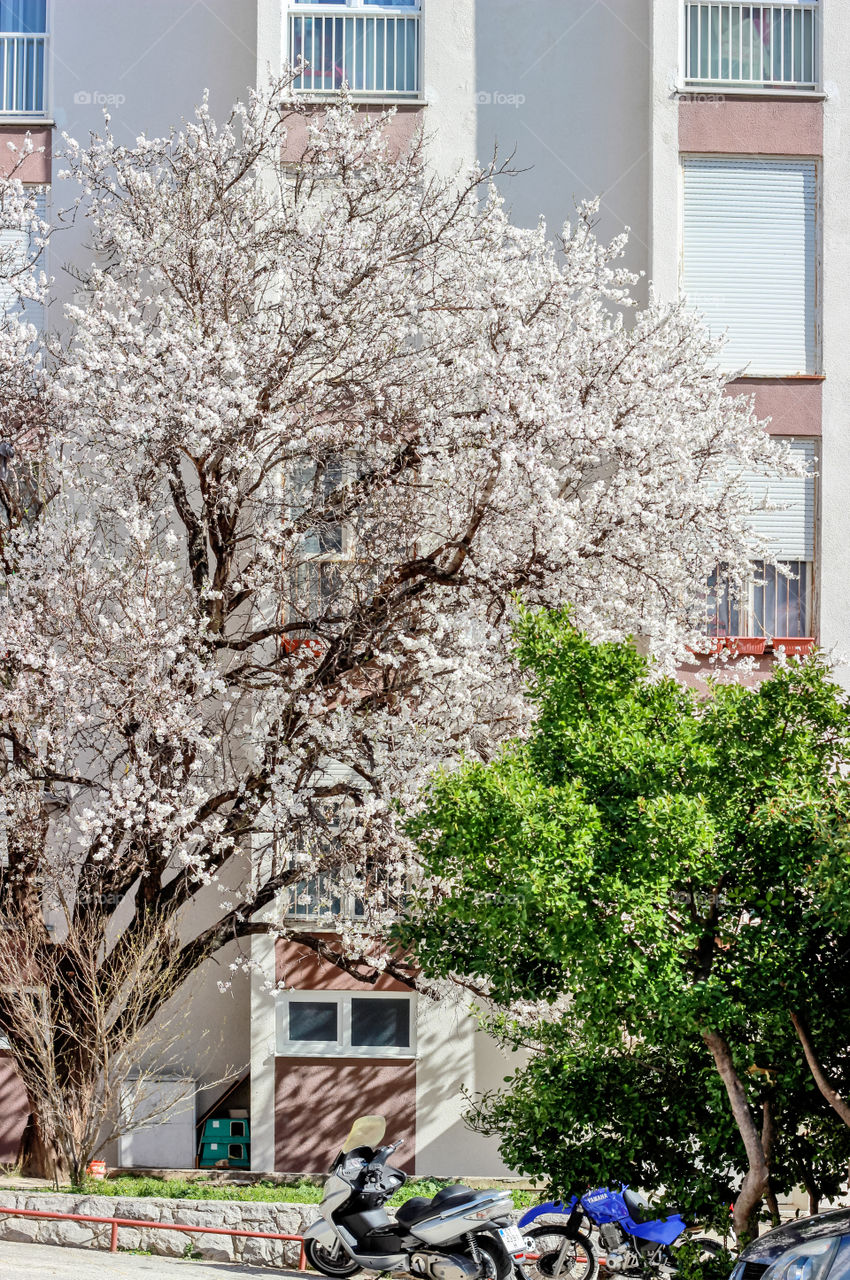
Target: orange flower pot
<point>747,646</point>
<point>794,646</point>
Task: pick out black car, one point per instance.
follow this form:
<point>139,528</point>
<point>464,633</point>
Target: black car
<point>816,1248</point>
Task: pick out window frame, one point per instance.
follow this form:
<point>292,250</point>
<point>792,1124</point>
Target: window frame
<point>354,9</point>
<point>44,113</point>
<point>744,604</point>
<point>752,368</point>
<point>342,1047</point>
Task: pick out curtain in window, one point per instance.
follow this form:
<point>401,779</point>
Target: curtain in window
<point>762,44</point>
<point>723,606</point>
<point>28,16</point>
<point>781,603</point>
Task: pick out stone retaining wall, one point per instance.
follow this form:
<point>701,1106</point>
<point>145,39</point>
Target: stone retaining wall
<point>247,1215</point>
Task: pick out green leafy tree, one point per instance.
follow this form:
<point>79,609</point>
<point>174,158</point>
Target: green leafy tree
<point>654,886</point>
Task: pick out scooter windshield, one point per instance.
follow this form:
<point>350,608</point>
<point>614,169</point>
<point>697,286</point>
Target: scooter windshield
<point>367,1131</point>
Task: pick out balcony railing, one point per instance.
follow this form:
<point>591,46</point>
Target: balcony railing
<point>375,54</point>
<point>764,46</point>
<point>23,65</point>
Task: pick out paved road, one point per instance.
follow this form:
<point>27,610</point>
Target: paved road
<point>49,1262</point>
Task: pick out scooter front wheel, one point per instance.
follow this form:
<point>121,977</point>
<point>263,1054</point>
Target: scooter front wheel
<point>552,1254</point>
<point>335,1263</point>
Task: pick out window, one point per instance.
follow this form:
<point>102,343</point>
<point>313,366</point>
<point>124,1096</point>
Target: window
<point>313,1020</point>
<point>772,602</point>
<point>15,253</point>
<point>749,260</point>
<point>316,578</point>
<point>345,1024</point>
<point>373,48</point>
<point>326,895</point>
<point>751,45</point>
<point>23,52</point>
<point>380,1022</point>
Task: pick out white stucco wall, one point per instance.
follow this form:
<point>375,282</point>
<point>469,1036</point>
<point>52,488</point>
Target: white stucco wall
<point>663,160</point>
<point>148,65</point>
<point>835,457</point>
<point>564,84</point>
<point>454,1055</point>
<point>262,1053</point>
<point>448,75</point>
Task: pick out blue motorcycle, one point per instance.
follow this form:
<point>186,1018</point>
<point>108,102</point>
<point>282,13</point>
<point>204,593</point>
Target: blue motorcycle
<point>633,1240</point>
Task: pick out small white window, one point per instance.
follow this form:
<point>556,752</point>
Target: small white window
<point>16,251</point>
<point>775,601</point>
<point>749,259</point>
<point>346,1024</point>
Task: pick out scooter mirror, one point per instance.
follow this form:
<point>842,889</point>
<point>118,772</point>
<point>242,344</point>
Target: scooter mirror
<point>367,1131</point>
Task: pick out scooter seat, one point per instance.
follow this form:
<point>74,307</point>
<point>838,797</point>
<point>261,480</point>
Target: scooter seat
<point>412,1210</point>
<point>417,1208</point>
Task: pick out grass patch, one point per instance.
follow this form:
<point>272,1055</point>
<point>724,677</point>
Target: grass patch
<point>302,1191</point>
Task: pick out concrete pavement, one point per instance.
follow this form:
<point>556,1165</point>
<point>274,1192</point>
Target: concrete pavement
<point>50,1262</point>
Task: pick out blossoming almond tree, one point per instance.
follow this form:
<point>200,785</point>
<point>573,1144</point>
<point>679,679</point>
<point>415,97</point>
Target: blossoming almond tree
<point>318,418</point>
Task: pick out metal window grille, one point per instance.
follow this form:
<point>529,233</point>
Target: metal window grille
<point>771,603</point>
<point>754,45</point>
<point>373,53</point>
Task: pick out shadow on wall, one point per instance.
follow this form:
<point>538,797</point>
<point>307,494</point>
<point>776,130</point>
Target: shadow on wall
<point>14,1110</point>
<point>455,1057</point>
<point>317,1099</point>
<point>565,84</point>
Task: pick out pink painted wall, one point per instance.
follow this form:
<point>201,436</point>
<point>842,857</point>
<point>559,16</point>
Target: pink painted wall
<point>37,167</point>
<point>14,1110</point>
<point>300,967</point>
<point>317,1099</point>
<point>714,124</point>
<point>695,676</point>
<point>399,131</point>
<point>794,405</point>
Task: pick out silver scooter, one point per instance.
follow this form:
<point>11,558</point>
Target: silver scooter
<point>460,1234</point>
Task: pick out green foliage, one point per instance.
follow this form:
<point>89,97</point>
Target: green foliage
<point>693,1264</point>
<point>677,863</point>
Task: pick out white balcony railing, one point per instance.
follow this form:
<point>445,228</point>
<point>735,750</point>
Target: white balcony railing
<point>751,45</point>
<point>375,54</point>
<point>23,67</point>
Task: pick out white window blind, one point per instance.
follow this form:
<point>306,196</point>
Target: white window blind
<point>749,259</point>
<point>14,250</point>
<point>789,532</point>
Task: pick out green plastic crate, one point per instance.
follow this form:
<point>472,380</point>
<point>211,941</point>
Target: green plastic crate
<point>226,1130</point>
<point>237,1154</point>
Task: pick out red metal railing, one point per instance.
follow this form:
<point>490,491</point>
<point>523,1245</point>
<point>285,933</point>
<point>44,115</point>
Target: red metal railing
<point>115,1223</point>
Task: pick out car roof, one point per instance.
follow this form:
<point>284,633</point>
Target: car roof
<point>771,1245</point>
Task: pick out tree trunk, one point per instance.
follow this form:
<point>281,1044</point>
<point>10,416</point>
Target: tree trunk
<point>40,1156</point>
<point>768,1136</point>
<point>834,1099</point>
<point>755,1182</point>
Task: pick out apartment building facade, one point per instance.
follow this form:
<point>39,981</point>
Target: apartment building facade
<point>716,132</point>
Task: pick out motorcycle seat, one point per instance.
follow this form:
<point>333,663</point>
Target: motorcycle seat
<point>417,1208</point>
<point>640,1210</point>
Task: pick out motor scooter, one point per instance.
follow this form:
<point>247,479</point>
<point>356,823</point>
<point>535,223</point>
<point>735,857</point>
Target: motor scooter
<point>459,1234</point>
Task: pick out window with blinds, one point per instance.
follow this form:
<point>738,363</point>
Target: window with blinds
<point>15,250</point>
<point>777,600</point>
<point>749,259</point>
